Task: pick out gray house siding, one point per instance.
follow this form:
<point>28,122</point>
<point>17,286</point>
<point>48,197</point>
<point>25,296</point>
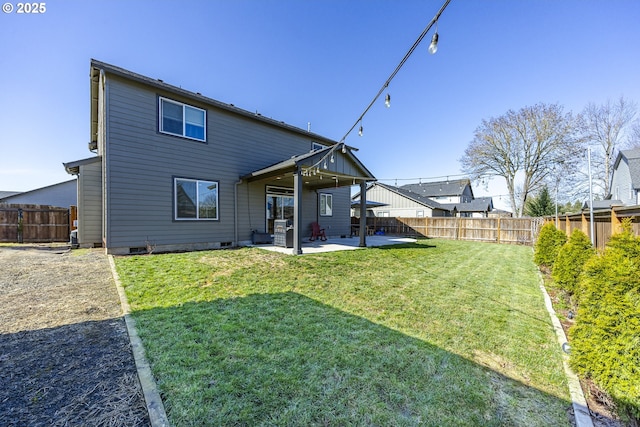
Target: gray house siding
<point>396,205</point>
<point>621,187</point>
<point>140,165</point>
<point>90,205</point>
<point>625,182</point>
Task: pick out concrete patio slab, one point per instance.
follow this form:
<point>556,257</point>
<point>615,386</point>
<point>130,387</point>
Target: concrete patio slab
<point>339,244</point>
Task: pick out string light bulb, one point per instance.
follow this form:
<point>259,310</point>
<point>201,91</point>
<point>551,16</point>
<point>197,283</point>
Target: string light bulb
<point>387,101</point>
<point>433,47</point>
<point>344,148</point>
<point>360,130</point>
<point>332,160</point>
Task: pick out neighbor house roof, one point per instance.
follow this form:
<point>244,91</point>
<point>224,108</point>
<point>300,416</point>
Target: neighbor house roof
<point>481,204</point>
<point>4,194</point>
<point>418,198</point>
<point>602,204</point>
<point>439,188</point>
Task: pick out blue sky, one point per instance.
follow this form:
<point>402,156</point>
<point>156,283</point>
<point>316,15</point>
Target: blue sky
<point>319,62</point>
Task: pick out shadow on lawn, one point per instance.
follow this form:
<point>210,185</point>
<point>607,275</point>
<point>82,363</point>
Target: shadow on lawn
<point>286,359</point>
<point>408,245</point>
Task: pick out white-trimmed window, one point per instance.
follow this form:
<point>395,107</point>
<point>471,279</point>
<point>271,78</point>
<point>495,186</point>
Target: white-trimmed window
<point>183,120</point>
<point>419,214</point>
<point>326,204</point>
<point>195,199</point>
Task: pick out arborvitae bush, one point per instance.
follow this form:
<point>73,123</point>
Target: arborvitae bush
<point>570,262</point>
<point>605,339</point>
<point>549,242</point>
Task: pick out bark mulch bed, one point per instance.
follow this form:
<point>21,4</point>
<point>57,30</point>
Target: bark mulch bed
<point>65,356</point>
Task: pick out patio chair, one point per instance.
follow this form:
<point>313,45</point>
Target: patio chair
<point>316,232</point>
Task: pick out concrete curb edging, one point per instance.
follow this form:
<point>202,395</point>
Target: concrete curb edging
<point>155,407</point>
<point>580,408</point>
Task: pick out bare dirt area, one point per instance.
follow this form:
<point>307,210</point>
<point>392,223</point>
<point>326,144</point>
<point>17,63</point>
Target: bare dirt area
<point>65,356</point>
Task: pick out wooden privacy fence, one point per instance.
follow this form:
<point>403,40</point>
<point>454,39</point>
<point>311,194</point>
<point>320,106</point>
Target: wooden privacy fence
<point>34,224</point>
<point>522,231</point>
<point>605,223</point>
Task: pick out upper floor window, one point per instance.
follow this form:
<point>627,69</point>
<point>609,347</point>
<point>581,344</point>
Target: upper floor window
<point>184,120</point>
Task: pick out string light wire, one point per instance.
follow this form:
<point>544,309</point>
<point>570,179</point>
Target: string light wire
<point>393,74</point>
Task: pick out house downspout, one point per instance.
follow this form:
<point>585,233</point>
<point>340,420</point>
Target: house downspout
<point>235,212</point>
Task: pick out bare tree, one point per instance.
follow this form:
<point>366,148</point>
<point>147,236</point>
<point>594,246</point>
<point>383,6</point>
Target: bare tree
<point>528,148</point>
<point>606,126</point>
<point>634,137</point>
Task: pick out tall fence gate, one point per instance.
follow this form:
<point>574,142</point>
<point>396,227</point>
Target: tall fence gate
<point>34,224</point>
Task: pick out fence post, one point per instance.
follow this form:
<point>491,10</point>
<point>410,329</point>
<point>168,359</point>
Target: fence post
<point>498,232</point>
<point>585,226</point>
<point>567,225</point>
<point>20,226</point>
<point>616,227</point>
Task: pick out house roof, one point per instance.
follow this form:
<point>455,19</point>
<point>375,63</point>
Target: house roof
<point>98,66</point>
<point>73,168</point>
<point>481,204</point>
<point>439,188</point>
<point>4,194</point>
<point>418,198</point>
<point>329,177</point>
<point>633,160</point>
<point>369,203</point>
<point>602,204</point>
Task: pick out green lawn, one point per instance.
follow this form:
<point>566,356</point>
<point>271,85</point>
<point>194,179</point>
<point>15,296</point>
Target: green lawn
<point>440,333</point>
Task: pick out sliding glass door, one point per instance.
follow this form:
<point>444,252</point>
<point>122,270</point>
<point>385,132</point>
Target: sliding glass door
<point>279,205</point>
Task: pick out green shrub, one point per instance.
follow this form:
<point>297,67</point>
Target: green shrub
<point>605,340</point>
<point>570,262</point>
<point>549,242</point>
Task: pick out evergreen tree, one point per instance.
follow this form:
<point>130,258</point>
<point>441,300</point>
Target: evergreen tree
<point>541,205</point>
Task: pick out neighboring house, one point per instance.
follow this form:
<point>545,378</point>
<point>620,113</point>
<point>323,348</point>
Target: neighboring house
<point>399,202</point>
<point>454,191</point>
<point>476,208</point>
<point>175,170</point>
<point>61,195</point>
<point>625,182</point>
<point>455,198</point>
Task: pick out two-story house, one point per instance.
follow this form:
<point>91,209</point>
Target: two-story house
<point>176,170</point>
<point>430,199</point>
<point>625,182</point>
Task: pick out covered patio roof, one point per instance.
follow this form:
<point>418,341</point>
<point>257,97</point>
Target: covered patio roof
<point>332,166</point>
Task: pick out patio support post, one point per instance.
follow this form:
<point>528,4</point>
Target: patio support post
<point>297,212</point>
<point>363,214</point>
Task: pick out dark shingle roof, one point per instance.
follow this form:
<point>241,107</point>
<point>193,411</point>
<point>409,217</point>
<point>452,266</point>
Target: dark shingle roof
<point>481,204</point>
<point>633,160</point>
<point>438,188</point>
<point>418,198</point>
